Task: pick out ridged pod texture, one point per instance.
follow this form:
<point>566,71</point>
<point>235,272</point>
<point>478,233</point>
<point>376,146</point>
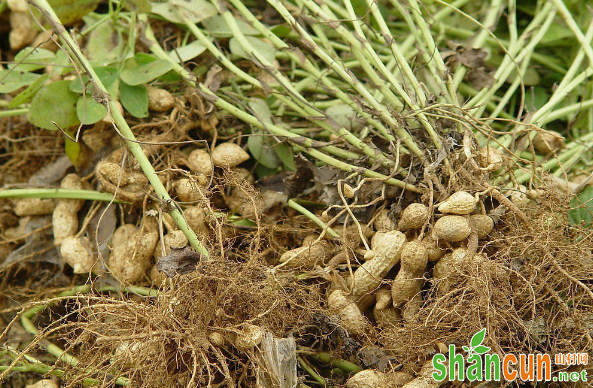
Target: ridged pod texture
<point>452,228</point>
<point>460,203</point>
<point>132,249</point>
<point>387,247</point>
<point>348,312</point>
<point>413,217</point>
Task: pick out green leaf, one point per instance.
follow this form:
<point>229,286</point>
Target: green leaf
<point>194,10</point>
<point>30,59</point>
<point>54,102</point>
<point>481,349</point>
<point>11,80</point>
<point>107,74</point>
<point>281,30</point>
<point>137,6</point>
<point>582,208</point>
<point>286,155</point>
<point>27,95</point>
<point>218,27</point>
<point>79,153</point>
<point>345,116</point>
<point>260,143</point>
<point>478,338</point>
<point>265,49</point>
<point>134,99</point>
<point>105,44</point>
<point>187,52</point>
<point>136,74</point>
<point>69,11</point>
<point>89,111</point>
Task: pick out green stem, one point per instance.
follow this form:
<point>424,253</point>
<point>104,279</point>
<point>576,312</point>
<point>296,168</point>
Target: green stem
<point>292,204</point>
<point>90,195</point>
<point>344,365</point>
<point>14,112</point>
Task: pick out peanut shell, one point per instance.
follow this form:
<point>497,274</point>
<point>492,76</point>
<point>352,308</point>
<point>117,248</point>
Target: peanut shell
<point>452,228</point>
<point>349,314</point>
<point>459,203</point>
<point>413,217</point>
<point>229,155</point>
<point>482,224</point>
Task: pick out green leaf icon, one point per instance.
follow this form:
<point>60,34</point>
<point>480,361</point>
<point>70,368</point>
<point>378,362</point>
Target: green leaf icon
<point>478,338</point>
<point>465,348</point>
<point>481,349</point>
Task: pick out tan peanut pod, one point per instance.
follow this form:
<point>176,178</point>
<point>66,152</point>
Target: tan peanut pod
<point>413,217</point>
<point>128,185</point>
<point>459,203</point>
<point>387,247</point>
<point>482,224</point>
<point>382,222</point>
<point>348,312</point>
<point>199,162</point>
<point>383,298</point>
<point>188,190</point>
<point>76,252</point>
<point>64,221</point>
<point>45,383</point>
<point>33,206</point>
<point>368,378</point>
<point>307,256</point>
<point>410,310</point>
<point>229,155</point>
<point>547,141</point>
<point>249,337</point>
<point>17,5</point>
<point>368,255</point>
<point>451,228</point>
<point>157,277</point>
<point>196,216</point>
<point>405,286</point>
<point>132,249</point>
<point>432,249</point>
<point>22,31</point>
<point>414,257</point>
<point>216,339</point>
<point>448,263</point>
<point>398,379</point>
<point>519,197</point>
<point>387,316</point>
<point>490,159</point>
<point>424,378</point>
<point>174,238</point>
<point>446,267</point>
<point>348,191</point>
<point>159,100</point>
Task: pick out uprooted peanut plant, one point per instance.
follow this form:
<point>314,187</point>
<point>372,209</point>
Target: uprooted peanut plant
<point>293,192</point>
